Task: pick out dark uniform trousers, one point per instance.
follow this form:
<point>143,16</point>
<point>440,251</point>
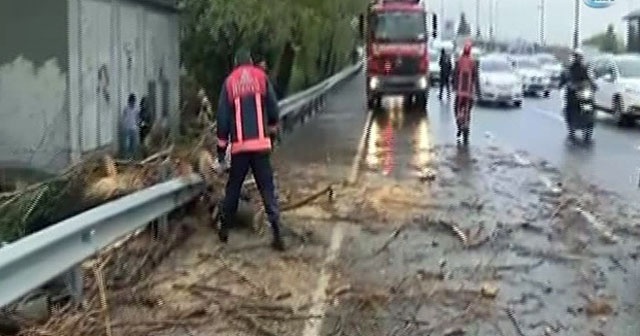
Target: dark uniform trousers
<point>260,165</point>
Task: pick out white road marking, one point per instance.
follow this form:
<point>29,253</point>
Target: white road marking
<point>313,326</point>
<point>357,160</point>
<point>549,114</point>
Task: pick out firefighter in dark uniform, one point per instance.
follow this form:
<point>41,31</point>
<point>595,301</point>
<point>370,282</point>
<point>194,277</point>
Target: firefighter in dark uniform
<point>466,85</point>
<point>247,120</point>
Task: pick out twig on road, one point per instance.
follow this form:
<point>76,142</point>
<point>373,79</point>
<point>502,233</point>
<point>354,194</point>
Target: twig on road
<point>305,201</point>
<point>396,233</point>
<point>457,231</point>
<point>513,320</point>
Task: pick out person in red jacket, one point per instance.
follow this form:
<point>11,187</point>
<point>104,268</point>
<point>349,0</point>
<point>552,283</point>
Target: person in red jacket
<point>466,85</point>
<point>247,120</point>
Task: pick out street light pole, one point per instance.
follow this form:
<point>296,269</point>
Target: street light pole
<point>442,20</point>
<point>478,18</point>
<point>491,2</point>
<point>576,25</point>
<point>542,25</point>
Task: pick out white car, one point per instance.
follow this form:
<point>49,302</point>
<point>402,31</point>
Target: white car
<point>618,81</point>
<point>551,66</point>
<point>499,83</point>
<point>534,79</point>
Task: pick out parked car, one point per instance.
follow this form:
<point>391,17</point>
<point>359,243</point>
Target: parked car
<point>534,79</point>
<point>552,66</point>
<point>618,80</point>
<point>499,82</point>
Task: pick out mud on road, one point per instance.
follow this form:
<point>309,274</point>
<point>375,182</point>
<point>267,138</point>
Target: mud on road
<point>488,243</point>
<point>460,242</point>
<point>481,245</point>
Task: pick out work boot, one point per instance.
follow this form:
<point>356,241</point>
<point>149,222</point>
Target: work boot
<point>277,243</point>
<point>223,230</point>
<point>465,136</point>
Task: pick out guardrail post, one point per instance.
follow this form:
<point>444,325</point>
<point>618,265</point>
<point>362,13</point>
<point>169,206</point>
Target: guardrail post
<point>74,282</point>
<point>161,227</point>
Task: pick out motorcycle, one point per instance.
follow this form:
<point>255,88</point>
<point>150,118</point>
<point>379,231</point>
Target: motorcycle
<point>582,115</point>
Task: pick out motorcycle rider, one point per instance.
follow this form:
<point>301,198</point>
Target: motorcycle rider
<point>577,72</point>
<point>465,84</point>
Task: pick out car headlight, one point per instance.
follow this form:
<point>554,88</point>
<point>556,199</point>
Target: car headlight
<point>374,82</point>
<point>422,83</point>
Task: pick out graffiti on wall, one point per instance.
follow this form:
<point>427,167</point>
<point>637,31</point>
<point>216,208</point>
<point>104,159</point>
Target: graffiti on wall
<point>103,84</point>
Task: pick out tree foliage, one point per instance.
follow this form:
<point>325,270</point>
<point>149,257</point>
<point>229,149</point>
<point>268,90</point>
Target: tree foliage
<point>304,39</point>
<point>633,38</point>
<point>606,41</point>
<point>463,26</point>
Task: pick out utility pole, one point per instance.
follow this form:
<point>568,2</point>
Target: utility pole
<point>576,25</point>
<point>478,33</point>
<point>491,20</point>
<point>542,23</point>
<point>442,20</point>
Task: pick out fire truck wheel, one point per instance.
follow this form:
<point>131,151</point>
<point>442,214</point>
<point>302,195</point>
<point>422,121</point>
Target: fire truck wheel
<point>422,100</point>
<point>374,102</point>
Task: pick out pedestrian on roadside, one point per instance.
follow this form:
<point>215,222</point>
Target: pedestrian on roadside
<point>130,125</point>
<point>247,121</point>
<point>146,119</point>
<point>445,73</point>
<point>466,84</point>
<point>263,65</point>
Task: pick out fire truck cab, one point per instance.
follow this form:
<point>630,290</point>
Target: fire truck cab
<point>396,37</point>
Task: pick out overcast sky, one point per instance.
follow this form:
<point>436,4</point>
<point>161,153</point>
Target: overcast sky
<point>521,18</point>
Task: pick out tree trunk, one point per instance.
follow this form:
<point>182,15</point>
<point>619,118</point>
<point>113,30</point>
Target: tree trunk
<point>326,66</point>
<point>285,68</point>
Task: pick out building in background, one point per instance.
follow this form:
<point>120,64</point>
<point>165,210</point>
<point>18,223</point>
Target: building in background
<point>67,67</point>
<point>633,33</point>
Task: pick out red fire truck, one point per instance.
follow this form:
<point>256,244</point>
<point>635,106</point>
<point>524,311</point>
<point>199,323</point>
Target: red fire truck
<point>395,33</point>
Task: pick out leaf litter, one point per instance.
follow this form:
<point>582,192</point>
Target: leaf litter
<point>418,259</point>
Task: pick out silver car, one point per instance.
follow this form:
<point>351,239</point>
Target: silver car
<point>535,81</point>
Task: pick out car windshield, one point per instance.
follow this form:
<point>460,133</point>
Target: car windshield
<point>527,64</point>
<point>629,68</point>
<point>494,66</point>
<point>399,26</point>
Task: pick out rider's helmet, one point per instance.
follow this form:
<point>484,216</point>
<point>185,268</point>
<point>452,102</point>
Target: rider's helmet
<point>577,55</point>
<point>466,49</point>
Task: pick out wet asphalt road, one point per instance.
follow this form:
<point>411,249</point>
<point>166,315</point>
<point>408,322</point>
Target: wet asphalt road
<point>398,147</point>
<point>613,161</point>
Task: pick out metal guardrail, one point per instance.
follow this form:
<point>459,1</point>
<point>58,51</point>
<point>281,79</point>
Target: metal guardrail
<point>38,258</point>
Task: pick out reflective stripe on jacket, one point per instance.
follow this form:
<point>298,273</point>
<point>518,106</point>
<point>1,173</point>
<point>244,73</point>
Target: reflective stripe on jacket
<point>247,112</point>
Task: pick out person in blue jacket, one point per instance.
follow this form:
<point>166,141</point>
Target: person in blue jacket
<point>247,121</point>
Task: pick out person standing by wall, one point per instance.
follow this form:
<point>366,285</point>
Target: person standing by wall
<point>146,119</point>
<point>130,126</point>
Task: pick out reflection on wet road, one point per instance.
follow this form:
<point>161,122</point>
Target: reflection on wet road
<point>491,249</point>
<point>399,141</point>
